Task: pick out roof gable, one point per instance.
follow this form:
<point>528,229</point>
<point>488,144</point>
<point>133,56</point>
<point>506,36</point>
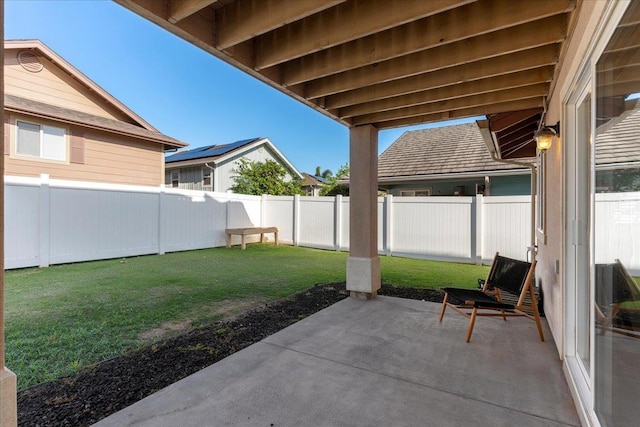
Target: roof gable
<point>219,153</point>
<point>441,150</point>
<point>65,84</point>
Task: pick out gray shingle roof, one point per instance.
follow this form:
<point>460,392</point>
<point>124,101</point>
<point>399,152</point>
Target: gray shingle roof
<point>28,106</point>
<point>209,152</point>
<point>443,150</point>
<point>618,141</point>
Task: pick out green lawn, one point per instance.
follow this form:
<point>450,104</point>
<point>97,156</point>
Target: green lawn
<point>62,318</point>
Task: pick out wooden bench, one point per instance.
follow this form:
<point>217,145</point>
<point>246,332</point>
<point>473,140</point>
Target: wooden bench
<point>243,232</point>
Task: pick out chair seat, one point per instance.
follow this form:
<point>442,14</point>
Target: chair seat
<point>478,298</point>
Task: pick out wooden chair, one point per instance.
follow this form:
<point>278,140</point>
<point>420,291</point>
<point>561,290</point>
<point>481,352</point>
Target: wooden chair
<point>506,276</point>
<point>615,286</point>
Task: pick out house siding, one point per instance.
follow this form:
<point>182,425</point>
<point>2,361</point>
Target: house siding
<point>106,158</point>
<point>53,86</point>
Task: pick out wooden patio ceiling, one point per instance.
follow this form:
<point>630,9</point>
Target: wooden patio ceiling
<point>389,63</point>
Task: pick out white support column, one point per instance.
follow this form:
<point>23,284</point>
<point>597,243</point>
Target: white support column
<point>363,264</point>
<point>8,393</point>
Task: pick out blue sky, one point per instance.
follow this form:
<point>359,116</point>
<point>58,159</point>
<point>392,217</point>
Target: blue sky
<point>182,91</point>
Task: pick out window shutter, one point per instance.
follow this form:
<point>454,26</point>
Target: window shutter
<point>7,134</point>
<point>77,147</point>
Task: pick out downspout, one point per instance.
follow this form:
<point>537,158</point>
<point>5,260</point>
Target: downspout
<point>532,166</point>
<point>213,176</point>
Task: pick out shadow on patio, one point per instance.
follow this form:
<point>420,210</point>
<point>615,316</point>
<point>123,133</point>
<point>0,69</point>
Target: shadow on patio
<point>386,362</point>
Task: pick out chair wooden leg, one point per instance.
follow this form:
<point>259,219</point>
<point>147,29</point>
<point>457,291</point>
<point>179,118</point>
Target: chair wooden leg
<point>472,322</point>
<point>536,315</point>
<point>444,306</point>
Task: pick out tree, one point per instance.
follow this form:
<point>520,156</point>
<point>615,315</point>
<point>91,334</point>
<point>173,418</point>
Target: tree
<point>326,174</point>
<point>331,186</point>
<point>267,177</point>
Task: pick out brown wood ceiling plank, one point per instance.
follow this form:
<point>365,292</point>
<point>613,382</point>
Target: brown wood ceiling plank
<point>533,91</point>
<point>527,36</point>
<point>327,29</point>
<point>462,113</point>
<point>492,67</point>
<point>243,20</point>
<point>500,122</point>
<point>180,9</point>
<point>480,18</point>
<point>476,87</point>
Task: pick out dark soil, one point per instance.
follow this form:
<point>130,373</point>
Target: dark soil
<point>114,384</point>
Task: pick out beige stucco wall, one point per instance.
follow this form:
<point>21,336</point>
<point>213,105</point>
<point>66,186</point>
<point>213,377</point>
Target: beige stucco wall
<point>107,158</point>
<point>551,242</point>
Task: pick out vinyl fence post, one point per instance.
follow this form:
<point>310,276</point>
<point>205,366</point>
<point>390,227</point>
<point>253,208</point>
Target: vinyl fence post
<point>296,220</point>
<point>338,222</point>
<point>45,221</point>
<point>479,228</point>
<point>388,224</point>
<point>161,214</point>
<point>263,210</point>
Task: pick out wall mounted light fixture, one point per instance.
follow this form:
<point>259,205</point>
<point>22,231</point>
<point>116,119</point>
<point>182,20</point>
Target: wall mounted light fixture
<point>544,137</point>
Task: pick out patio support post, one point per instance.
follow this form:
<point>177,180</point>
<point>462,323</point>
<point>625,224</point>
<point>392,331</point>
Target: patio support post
<point>8,397</point>
<point>363,264</point>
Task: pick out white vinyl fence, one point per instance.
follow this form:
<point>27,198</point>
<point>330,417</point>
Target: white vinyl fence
<point>52,222</point>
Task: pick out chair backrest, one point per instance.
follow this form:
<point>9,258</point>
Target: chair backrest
<point>615,285</point>
<point>508,274</point>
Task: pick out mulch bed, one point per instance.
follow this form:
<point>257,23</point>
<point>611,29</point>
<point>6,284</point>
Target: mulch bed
<point>114,384</point>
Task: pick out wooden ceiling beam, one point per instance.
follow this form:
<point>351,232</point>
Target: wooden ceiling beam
<point>342,24</point>
<point>243,20</point>
<point>481,18</point>
<point>527,36</point>
<point>180,9</point>
<point>487,68</point>
<point>533,91</point>
<point>476,87</point>
<point>462,113</point>
<point>510,118</point>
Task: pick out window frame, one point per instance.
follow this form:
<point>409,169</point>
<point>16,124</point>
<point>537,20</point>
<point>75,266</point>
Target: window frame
<point>41,132</point>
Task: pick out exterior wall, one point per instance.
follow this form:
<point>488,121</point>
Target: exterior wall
<point>551,241</point>
<point>190,178</point>
<point>225,170</point>
<point>517,185</point>
<point>105,158</point>
<point>53,86</point>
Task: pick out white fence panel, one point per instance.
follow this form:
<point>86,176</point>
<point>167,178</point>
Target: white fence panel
<point>317,222</point>
<point>243,211</point>
<point>279,213</point>
<point>506,226</point>
<point>432,226</point>
<point>381,224</point>
<point>22,224</point>
<point>344,225</point>
<point>192,220</point>
<point>617,229</point>
<point>90,224</point>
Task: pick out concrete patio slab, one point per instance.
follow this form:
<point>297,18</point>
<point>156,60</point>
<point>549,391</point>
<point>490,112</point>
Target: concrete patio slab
<point>386,362</point>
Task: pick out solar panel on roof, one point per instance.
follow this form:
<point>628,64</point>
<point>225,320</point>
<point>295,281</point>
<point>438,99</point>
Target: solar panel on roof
<point>215,150</point>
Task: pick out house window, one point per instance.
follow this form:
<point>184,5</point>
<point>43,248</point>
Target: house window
<point>40,141</point>
<point>206,178</point>
<point>424,192</point>
<point>175,179</point>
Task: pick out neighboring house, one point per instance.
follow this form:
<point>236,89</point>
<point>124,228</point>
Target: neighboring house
<point>212,168</point>
<point>312,184</point>
<point>448,161</point>
<point>59,122</point>
<point>617,151</point>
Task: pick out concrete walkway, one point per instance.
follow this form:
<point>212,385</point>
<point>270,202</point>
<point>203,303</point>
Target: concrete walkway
<point>386,362</point>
